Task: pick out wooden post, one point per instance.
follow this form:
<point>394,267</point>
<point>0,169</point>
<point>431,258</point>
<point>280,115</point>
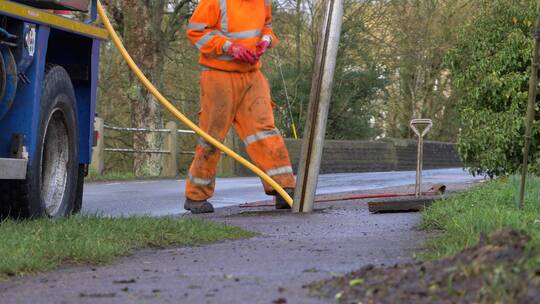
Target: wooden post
<point>226,163</point>
<point>98,152</point>
<point>319,104</point>
<point>529,118</point>
<point>170,164</point>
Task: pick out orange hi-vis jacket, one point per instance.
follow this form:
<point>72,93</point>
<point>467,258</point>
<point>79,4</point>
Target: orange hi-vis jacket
<point>217,24</point>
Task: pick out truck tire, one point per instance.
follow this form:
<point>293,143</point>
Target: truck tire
<point>50,187</point>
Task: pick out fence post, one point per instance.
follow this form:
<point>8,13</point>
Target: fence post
<point>98,152</point>
<point>170,165</point>
<point>226,163</point>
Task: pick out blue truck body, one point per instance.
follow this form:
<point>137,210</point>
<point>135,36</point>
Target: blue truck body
<point>43,39</point>
<point>65,48</point>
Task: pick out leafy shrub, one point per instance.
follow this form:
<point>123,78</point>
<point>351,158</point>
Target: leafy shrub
<point>490,67</point>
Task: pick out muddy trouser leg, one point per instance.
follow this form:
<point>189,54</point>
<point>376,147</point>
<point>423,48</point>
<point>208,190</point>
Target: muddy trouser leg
<point>215,118</point>
<point>254,123</point>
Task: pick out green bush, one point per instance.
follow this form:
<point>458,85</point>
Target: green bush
<point>490,69</point>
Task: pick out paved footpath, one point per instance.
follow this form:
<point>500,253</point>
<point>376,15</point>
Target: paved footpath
<point>290,251</point>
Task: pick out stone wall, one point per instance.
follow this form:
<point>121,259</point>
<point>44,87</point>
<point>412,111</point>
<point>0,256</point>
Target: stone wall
<point>340,156</point>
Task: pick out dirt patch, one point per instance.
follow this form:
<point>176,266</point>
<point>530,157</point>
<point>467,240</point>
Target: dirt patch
<point>493,271</point>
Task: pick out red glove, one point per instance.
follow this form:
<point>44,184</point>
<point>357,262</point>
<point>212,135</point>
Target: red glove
<point>262,46</point>
<point>242,54</point>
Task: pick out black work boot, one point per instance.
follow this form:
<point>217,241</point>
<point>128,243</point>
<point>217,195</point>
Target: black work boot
<point>280,201</point>
<point>197,207</point>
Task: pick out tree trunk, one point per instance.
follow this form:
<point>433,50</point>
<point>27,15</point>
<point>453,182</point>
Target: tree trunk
<point>144,46</point>
<point>298,36</point>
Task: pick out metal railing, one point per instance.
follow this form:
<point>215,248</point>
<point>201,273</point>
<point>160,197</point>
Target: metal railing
<point>169,150</point>
<point>148,130</point>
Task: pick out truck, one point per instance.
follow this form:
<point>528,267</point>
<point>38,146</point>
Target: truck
<point>49,66</point>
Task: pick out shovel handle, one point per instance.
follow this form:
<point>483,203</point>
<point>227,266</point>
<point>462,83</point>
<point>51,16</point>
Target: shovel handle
<point>421,122</point>
<point>427,124</point>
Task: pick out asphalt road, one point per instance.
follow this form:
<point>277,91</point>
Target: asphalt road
<point>165,197</point>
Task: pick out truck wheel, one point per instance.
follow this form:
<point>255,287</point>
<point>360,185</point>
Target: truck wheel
<point>50,187</point>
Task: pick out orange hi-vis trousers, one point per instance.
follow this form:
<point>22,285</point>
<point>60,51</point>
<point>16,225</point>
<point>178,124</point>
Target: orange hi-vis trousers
<point>242,100</point>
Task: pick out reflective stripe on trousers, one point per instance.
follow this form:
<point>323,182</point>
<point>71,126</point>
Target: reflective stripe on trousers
<point>260,135</point>
<point>199,181</point>
<point>280,171</point>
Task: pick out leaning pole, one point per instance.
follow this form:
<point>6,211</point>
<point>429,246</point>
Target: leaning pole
<point>530,107</point>
<point>319,104</point>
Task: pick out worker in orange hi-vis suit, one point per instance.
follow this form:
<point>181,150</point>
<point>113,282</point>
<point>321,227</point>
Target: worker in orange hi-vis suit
<point>231,36</point>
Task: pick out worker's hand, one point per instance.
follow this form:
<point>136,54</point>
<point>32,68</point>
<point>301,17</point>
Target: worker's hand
<point>262,46</point>
<point>242,54</point>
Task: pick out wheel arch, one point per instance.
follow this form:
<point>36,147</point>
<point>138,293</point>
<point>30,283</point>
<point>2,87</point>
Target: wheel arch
<point>79,56</point>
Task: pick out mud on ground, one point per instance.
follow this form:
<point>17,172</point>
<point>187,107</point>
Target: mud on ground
<point>494,271</point>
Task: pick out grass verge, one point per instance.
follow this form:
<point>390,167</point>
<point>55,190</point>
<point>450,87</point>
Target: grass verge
<point>40,245</point>
<point>115,176</point>
<point>480,211</point>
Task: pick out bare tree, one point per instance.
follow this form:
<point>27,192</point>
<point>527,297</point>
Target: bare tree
<point>420,33</point>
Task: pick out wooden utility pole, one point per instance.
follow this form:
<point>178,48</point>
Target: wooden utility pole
<point>530,107</point>
<point>319,104</point>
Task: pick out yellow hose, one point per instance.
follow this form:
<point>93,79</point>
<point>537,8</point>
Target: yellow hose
<point>294,131</point>
<point>181,117</point>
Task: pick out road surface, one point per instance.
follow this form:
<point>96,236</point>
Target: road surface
<point>166,197</point>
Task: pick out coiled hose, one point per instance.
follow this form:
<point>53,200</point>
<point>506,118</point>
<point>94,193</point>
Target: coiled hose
<point>181,117</point>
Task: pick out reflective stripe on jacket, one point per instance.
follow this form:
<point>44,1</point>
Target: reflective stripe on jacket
<point>216,24</point>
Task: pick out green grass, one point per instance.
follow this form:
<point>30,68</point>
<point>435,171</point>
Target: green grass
<point>484,209</point>
<point>115,176</point>
<point>41,245</point>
